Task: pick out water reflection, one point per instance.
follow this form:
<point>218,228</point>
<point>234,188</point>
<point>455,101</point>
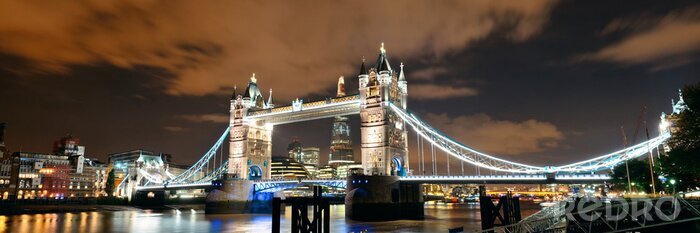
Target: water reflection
<point>438,218</point>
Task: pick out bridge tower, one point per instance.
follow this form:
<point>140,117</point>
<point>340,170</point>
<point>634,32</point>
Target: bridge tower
<point>250,142</point>
<point>383,134</point>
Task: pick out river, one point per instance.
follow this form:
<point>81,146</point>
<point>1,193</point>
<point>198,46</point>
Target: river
<point>438,218</point>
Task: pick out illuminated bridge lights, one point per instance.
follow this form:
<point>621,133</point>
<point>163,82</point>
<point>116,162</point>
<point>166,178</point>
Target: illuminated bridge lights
<point>469,155</point>
<point>276,185</point>
<point>518,172</point>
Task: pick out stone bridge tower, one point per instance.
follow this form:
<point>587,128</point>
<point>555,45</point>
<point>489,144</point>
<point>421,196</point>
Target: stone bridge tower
<point>383,133</point>
<point>250,142</point>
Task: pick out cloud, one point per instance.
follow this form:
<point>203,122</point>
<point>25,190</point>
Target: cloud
<point>297,49</point>
<point>174,129</point>
<point>433,91</point>
<point>428,73</point>
<point>498,137</point>
<point>670,38</point>
<point>210,117</point>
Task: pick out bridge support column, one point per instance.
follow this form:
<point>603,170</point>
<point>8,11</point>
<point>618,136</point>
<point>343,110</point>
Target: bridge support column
<point>382,198</point>
<point>236,196</point>
<point>150,198</point>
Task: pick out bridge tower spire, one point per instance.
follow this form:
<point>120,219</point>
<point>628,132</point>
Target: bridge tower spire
<point>383,133</point>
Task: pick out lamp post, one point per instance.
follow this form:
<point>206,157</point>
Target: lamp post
<point>673,183</point>
<point>635,186</point>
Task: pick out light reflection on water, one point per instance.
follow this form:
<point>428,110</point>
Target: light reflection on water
<point>438,218</point>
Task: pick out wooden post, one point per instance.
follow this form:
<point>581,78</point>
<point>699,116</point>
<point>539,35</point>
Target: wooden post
<point>276,203</point>
<point>320,221</point>
<point>295,218</point>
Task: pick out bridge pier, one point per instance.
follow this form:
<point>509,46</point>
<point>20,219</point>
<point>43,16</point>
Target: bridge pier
<point>236,196</point>
<point>150,198</point>
<point>382,198</point>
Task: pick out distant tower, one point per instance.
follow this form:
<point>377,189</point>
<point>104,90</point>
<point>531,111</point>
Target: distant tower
<point>2,140</point>
<point>384,144</point>
<point>294,150</point>
<point>668,121</point>
<point>2,135</point>
<point>250,143</point>
<point>341,87</point>
<point>341,143</point>
<point>270,104</point>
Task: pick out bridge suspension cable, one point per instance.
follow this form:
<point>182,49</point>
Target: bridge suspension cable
<point>482,160</point>
<point>432,158</point>
<point>202,162</point>
<point>448,163</point>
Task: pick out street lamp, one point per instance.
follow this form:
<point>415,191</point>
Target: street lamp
<point>634,186</point>
<point>673,182</point>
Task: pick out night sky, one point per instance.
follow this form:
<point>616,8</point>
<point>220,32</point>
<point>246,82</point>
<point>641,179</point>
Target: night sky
<point>540,82</point>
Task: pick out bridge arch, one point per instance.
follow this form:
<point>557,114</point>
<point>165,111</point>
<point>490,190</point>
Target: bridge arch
<point>255,172</point>
<point>397,166</point>
<point>277,185</point>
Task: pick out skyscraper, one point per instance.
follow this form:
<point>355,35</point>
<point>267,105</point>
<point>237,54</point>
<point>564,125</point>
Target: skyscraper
<point>2,140</point>
<point>294,150</point>
<point>341,143</point>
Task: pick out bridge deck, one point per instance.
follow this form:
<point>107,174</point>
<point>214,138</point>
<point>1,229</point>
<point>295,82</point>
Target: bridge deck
<point>507,179</point>
<point>264,185</point>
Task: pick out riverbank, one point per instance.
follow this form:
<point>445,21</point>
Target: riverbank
<point>62,208</point>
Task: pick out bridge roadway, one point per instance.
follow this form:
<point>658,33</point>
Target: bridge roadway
<point>276,185</point>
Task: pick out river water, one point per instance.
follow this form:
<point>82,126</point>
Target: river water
<point>438,218</point>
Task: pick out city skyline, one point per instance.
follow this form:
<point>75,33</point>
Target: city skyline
<point>551,93</point>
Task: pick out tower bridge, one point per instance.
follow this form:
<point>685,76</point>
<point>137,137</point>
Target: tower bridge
<point>243,177</point>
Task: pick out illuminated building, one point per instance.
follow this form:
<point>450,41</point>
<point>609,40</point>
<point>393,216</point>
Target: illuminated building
<point>3,149</point>
<point>90,181</point>
<point>341,143</point>
<point>250,149</point>
<point>9,176</point>
<point>667,124</point>
<point>294,149</point>
<point>287,168</point>
<point>384,145</point>
<point>326,172</point>
<point>128,166</point>
<point>344,170</point>
<point>313,170</point>
<point>69,146</point>
<point>8,183</point>
<point>87,176</point>
<point>42,175</point>
<point>310,156</point>
<point>306,156</point>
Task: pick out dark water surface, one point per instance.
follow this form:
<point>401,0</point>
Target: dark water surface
<point>438,218</point>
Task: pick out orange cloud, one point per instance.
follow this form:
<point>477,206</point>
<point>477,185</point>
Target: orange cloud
<point>433,91</point>
<point>429,73</point>
<point>212,117</point>
<point>666,39</point>
<point>296,48</point>
<point>499,137</point>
